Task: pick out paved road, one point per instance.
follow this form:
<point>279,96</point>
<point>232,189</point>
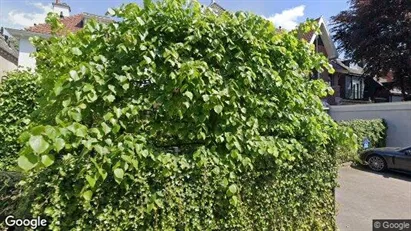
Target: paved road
<point>364,195</point>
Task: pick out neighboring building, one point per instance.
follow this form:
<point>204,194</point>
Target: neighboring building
<point>216,8</point>
<point>382,90</point>
<point>8,55</point>
<point>347,81</point>
<point>350,82</point>
<point>72,23</point>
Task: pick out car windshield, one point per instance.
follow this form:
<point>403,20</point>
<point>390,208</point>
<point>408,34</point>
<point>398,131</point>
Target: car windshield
<point>407,148</point>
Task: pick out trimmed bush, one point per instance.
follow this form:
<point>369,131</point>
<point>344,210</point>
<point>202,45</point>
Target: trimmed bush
<point>18,95</point>
<point>9,192</point>
<point>174,118</point>
<point>374,130</point>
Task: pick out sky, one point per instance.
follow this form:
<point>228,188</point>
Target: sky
<point>285,13</point>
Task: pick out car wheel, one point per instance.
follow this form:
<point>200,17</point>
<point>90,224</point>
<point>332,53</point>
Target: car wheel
<point>377,163</point>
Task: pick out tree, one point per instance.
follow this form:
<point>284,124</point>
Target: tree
<point>174,118</point>
<point>377,34</point>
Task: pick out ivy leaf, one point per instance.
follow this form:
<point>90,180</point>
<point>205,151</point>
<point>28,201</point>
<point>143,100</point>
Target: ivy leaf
<point>119,174</point>
<point>126,86</point>
<point>234,200</point>
<point>27,161</point>
<point>106,128</point>
<point>147,59</point>
<point>108,116</point>
<point>87,195</point>
<point>92,97</point>
<point>91,181</point>
<point>189,94</point>
<point>81,131</point>
<point>59,144</point>
<point>76,51</point>
<point>88,87</point>
<point>218,109</point>
<point>187,104</point>
<point>110,98</point>
<point>140,21</point>
<point>232,189</point>
<point>38,144</point>
<point>47,160</point>
<point>206,98</point>
<point>74,75</point>
<point>24,137</point>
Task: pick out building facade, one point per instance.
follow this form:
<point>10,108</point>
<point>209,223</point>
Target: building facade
<point>8,55</point>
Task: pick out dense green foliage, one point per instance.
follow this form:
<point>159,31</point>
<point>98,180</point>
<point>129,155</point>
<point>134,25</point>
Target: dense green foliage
<point>178,119</point>
<point>18,95</point>
<point>374,130</point>
<point>10,193</point>
<point>381,50</point>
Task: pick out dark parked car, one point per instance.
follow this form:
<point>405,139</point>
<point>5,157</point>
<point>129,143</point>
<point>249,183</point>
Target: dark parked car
<point>380,159</point>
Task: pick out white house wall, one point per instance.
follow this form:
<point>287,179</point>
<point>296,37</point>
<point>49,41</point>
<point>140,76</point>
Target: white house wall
<point>26,48</point>
<point>5,66</point>
<point>396,115</point>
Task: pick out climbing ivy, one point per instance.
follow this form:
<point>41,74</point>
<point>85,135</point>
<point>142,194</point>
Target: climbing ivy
<point>18,93</point>
<point>175,118</point>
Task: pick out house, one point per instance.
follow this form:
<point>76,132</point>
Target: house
<point>347,81</point>
<point>216,8</point>
<point>383,90</point>
<point>72,23</point>
<point>8,55</point>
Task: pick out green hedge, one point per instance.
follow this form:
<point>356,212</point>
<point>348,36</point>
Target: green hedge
<point>9,192</point>
<point>18,99</point>
<point>374,130</point>
<point>175,118</point>
<point>12,199</point>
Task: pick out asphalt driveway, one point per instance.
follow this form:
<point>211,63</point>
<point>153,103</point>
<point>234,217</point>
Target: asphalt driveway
<point>364,195</point>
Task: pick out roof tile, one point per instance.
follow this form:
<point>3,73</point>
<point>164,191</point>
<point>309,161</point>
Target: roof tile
<point>72,23</point>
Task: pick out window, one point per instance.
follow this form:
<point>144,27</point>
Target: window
<point>354,87</point>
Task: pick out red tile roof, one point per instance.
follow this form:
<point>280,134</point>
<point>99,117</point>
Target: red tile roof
<point>72,23</point>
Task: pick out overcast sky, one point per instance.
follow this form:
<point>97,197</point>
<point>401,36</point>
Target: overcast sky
<point>284,13</point>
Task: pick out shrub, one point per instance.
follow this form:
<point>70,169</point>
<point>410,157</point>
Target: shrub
<point>18,95</point>
<point>9,192</point>
<point>374,130</point>
<point>177,119</point>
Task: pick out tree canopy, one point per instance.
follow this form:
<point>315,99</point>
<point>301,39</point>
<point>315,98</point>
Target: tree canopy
<point>377,34</point>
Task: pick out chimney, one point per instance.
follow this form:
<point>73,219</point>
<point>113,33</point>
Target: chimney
<point>61,9</point>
